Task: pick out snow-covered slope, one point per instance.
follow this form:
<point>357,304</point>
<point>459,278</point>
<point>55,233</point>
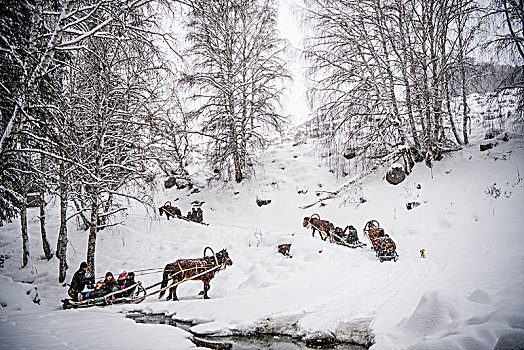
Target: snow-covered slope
<point>466,294</point>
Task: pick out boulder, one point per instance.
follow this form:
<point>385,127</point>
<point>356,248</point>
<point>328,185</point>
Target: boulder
<point>395,174</point>
<point>412,205</point>
<point>319,339</point>
<point>179,182</point>
<point>486,146</point>
<point>350,154</point>
<point>169,182</point>
<point>261,202</point>
<point>491,134</point>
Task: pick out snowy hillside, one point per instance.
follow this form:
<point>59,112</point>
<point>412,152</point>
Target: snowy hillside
<point>466,293</point>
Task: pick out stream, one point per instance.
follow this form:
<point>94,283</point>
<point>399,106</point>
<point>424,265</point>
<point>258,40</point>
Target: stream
<point>239,342</point>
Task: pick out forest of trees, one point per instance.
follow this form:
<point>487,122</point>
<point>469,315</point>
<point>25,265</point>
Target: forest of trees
<point>93,106</point>
<point>384,73</point>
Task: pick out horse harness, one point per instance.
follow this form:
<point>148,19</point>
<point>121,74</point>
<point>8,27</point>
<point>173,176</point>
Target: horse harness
<point>201,265</point>
<point>317,228</point>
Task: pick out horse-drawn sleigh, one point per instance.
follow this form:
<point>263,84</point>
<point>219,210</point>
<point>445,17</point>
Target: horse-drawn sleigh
<point>196,215</point>
<point>383,246</point>
<point>180,271</point>
<point>347,237</point>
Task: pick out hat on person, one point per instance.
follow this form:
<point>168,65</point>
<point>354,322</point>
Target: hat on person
<point>83,265</point>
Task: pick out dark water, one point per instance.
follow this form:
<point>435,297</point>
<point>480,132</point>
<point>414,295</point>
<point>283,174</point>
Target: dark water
<point>237,342</point>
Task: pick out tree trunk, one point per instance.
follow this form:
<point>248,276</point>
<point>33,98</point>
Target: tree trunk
<point>404,64</point>
<point>391,85</point>
<point>426,90</point>
<point>23,224</point>
<point>45,244</point>
<point>91,243</point>
<point>85,224</point>
<point>61,246</point>
<point>91,247</point>
<point>450,115</point>
<point>462,65</point>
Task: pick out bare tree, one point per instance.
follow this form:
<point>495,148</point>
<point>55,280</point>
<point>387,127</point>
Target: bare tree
<point>379,74</point>
<point>49,44</point>
<point>352,82</point>
<point>235,69</point>
<point>511,42</point>
<point>112,105</point>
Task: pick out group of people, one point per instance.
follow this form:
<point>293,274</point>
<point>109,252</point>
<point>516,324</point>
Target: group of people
<point>103,287</point>
<point>196,215</point>
<point>351,237</point>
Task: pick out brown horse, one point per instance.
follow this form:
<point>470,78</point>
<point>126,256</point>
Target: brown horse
<point>317,224</point>
<point>187,268</point>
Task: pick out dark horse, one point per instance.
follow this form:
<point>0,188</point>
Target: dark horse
<point>187,268</point>
<point>318,224</point>
<point>170,211</point>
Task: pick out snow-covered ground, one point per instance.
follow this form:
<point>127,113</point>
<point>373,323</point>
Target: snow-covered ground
<point>466,294</point>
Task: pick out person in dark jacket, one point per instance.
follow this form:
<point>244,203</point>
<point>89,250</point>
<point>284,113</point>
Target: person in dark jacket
<point>352,235</point>
<point>200,215</point>
<point>126,281</point>
<point>108,285</point>
<point>78,282</point>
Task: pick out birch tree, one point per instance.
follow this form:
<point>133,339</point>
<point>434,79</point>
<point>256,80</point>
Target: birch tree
<point>379,74</point>
<point>511,42</point>
<point>113,100</point>
<point>53,36</point>
<point>234,79</point>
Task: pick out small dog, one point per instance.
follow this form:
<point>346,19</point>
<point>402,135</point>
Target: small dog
<point>423,253</point>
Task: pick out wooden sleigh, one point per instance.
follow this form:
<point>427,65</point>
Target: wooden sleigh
<point>383,246</point>
<point>118,297</point>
